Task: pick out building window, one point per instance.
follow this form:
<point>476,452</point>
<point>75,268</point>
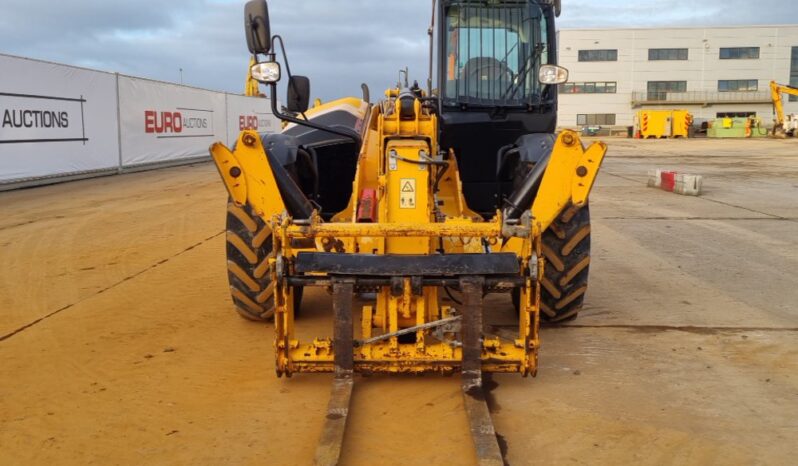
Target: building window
<point>738,85</point>
<point>667,54</point>
<point>735,114</point>
<point>590,88</point>
<point>598,55</point>
<point>595,119</point>
<point>658,90</point>
<point>794,72</point>
<point>739,53</point>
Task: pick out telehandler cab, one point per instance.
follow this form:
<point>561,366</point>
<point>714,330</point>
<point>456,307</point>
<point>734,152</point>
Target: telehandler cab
<point>465,188</point>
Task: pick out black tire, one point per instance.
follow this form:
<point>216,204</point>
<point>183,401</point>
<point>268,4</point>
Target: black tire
<point>566,247</point>
<point>249,245</point>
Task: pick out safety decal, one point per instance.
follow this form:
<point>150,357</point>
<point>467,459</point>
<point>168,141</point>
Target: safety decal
<point>407,195</point>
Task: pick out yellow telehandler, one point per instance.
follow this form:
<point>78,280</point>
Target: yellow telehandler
<point>460,191</point>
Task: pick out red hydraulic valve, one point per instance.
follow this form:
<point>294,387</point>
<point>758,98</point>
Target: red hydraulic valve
<point>367,210</point>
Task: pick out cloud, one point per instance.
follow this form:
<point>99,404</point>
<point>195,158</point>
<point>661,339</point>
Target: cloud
<point>337,44</point>
<point>657,13</point>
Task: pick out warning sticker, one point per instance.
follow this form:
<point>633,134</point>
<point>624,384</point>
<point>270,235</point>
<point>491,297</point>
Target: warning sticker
<point>407,195</point>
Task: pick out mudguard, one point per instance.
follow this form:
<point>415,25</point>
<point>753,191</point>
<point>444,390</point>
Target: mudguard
<point>532,148</point>
<point>281,146</point>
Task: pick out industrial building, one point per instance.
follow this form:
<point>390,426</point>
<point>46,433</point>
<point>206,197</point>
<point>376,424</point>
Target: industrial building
<point>712,72</point>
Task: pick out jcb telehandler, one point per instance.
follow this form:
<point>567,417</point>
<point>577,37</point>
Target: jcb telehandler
<point>460,189</point>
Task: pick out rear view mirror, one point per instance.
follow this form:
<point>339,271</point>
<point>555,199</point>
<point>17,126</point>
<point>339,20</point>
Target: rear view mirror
<point>256,25</point>
<point>298,94</point>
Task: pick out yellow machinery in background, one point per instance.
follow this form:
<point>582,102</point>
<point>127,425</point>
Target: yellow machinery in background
<point>663,124</point>
<point>783,125</point>
<point>252,87</point>
<point>389,206</point>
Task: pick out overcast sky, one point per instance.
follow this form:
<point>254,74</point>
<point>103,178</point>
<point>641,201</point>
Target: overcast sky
<point>338,43</point>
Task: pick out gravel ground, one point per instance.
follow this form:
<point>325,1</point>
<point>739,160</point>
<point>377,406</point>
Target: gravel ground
<point>118,343</point>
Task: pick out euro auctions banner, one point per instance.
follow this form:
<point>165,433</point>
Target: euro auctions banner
<point>55,120</point>
<point>59,121</point>
<point>249,113</point>
<point>162,122</point>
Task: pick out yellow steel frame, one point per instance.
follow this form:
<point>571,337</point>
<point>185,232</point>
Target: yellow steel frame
<point>394,158</point>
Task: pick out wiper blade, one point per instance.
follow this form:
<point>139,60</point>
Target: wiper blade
<point>512,89</point>
<point>516,104</point>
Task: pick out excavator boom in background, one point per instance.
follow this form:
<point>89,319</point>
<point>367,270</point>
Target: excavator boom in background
<point>784,125</point>
<point>252,86</point>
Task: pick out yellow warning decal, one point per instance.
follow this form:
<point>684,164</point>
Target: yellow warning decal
<point>407,196</point>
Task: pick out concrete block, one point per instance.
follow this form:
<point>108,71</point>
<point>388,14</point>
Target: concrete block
<point>688,185</point>
<point>654,178</point>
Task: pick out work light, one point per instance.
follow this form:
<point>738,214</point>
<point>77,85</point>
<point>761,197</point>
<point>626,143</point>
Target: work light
<point>553,74</point>
<point>266,72</point>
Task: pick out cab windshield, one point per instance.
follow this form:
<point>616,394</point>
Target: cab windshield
<point>493,53</point>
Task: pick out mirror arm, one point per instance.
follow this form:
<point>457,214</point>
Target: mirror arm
<point>348,134</point>
<point>310,124</point>
<point>273,56</point>
<point>276,38</point>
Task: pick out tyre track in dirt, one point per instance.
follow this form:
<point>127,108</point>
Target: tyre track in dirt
<point>108,288</point>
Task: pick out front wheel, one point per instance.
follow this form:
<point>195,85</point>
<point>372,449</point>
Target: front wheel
<point>249,247</point>
<point>566,248</point>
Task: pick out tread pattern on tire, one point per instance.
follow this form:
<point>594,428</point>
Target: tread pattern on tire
<point>248,247</point>
<point>566,247</point>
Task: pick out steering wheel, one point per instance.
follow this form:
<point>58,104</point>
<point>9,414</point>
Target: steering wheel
<point>480,69</point>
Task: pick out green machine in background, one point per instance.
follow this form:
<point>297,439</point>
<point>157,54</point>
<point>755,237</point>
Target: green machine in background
<point>750,127</point>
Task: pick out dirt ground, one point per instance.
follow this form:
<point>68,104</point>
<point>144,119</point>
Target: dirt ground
<point>119,345</point>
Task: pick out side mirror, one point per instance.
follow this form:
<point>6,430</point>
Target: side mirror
<point>557,8</point>
<point>256,26</point>
<point>298,94</point>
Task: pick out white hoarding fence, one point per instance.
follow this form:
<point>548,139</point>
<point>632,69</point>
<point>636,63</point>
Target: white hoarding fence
<point>163,122</point>
<point>249,113</point>
<point>59,121</point>
<point>55,120</point>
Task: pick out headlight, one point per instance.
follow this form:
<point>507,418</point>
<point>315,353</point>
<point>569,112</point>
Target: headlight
<point>266,72</point>
<point>553,74</point>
